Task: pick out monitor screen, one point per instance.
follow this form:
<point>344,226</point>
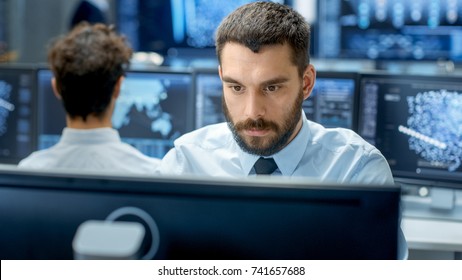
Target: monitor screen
<point>173,27</point>
<point>390,30</point>
<point>51,113</point>
<point>17,113</point>
<point>209,92</point>
<point>201,218</point>
<point>415,121</point>
<point>332,102</point>
<point>153,109</point>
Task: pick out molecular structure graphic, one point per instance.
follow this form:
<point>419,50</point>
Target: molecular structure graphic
<point>435,127</point>
<point>5,106</point>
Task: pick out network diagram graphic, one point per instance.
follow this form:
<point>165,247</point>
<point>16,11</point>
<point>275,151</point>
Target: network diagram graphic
<point>434,127</point>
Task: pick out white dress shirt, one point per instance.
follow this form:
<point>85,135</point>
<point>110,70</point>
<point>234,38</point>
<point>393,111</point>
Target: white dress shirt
<point>329,155</point>
<point>99,149</point>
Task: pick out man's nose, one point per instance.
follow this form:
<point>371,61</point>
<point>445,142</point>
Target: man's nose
<point>255,105</point>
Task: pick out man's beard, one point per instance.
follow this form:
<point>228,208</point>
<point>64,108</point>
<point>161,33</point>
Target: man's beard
<point>262,146</point>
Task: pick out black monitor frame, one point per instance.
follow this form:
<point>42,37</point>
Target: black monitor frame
<point>369,127</point>
<point>13,157</point>
<point>202,218</point>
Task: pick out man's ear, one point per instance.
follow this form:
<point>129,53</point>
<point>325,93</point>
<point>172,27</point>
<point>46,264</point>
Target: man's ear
<point>117,87</point>
<point>309,78</point>
<point>55,88</point>
<point>220,73</point>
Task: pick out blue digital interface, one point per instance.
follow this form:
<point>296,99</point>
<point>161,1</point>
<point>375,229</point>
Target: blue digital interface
<point>395,30</point>
<point>17,110</point>
<point>51,113</point>
<point>209,92</point>
<point>332,101</point>
<point>152,110</point>
<point>166,26</point>
<point>416,122</point>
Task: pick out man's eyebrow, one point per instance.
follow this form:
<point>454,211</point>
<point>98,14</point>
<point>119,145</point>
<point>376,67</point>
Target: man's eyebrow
<point>277,80</point>
<point>227,79</point>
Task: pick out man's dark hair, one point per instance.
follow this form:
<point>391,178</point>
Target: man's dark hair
<point>266,23</point>
<point>86,64</point>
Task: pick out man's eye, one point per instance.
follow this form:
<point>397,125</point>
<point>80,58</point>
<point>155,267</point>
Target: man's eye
<point>236,88</point>
<point>272,88</point>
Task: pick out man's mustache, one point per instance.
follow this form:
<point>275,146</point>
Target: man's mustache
<point>259,124</point>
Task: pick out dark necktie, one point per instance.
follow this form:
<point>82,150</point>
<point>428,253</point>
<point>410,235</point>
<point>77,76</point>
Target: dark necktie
<point>265,166</point>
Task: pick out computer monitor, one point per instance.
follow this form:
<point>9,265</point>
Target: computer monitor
<point>50,111</point>
<point>415,121</point>
<point>332,103</point>
<point>179,28</point>
<point>390,30</point>
<point>17,112</point>
<point>209,91</point>
<point>201,218</point>
<point>154,108</point>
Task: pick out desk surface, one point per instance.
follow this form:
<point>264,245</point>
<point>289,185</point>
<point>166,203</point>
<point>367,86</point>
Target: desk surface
<point>430,234</point>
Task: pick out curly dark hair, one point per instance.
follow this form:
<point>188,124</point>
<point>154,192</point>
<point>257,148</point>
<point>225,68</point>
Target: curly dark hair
<point>266,23</point>
<point>86,63</point>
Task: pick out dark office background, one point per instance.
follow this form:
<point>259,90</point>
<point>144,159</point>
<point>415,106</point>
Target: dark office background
<point>28,25</point>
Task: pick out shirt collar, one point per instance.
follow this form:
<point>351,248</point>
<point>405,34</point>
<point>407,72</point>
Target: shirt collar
<point>288,158</point>
<point>247,161</point>
<point>90,136</point>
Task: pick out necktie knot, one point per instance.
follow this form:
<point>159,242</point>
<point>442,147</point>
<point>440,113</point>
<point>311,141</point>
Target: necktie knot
<point>265,166</point>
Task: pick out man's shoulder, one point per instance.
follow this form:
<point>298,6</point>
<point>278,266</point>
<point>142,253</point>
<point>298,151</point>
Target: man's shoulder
<point>335,138</point>
<point>36,159</point>
<point>208,137</point>
<point>131,153</point>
